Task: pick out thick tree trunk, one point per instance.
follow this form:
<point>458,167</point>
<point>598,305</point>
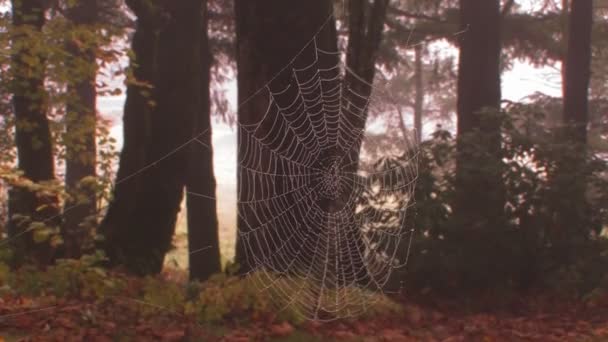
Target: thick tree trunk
<point>269,35</point>
<point>203,238</point>
<point>480,192</point>
<point>159,125</point>
<point>81,147</point>
<point>571,219</point>
<point>33,136</point>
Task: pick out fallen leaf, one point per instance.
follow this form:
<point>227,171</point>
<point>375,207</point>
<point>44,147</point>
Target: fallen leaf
<point>413,315</point>
<point>342,334</point>
<point>280,330</point>
<point>175,335</point>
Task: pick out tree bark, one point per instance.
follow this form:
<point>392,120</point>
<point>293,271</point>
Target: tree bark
<point>571,213</point>
<point>366,25</point>
<point>203,238</point>
<point>480,195</point>
<point>565,19</point>
<point>578,70</point>
<point>264,48</point>
<point>81,147</point>
<point>159,123</point>
<point>33,136</point>
<point>419,100</point>
<point>479,198</point>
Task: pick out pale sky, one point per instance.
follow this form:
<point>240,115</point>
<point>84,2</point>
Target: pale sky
<point>523,80</point>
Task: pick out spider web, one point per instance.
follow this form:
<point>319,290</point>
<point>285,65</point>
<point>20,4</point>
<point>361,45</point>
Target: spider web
<point>322,236</point>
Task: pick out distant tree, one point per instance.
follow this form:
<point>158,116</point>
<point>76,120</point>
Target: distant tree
<point>203,235</point>
<point>565,26</point>
<point>572,179</point>
<point>578,71</point>
<point>80,136</point>
<point>27,208</point>
<point>419,98</point>
<point>160,120</point>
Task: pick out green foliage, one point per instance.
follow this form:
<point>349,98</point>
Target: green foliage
<point>65,53</point>
<point>228,297</point>
<point>4,274</point>
<point>231,298</point>
<point>83,278</point>
<point>527,250</point>
<point>163,295</point>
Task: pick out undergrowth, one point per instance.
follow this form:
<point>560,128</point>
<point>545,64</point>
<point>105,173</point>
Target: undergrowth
<point>223,299</point>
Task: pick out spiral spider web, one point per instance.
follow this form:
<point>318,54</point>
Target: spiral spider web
<point>321,234</point>
<point>313,246</point>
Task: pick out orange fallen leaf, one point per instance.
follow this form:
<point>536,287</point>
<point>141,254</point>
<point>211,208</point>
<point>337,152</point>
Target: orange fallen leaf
<point>393,335</point>
<point>280,330</point>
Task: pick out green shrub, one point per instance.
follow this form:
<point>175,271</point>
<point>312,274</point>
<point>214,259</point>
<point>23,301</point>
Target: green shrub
<point>529,249</point>
<point>82,278</point>
<point>160,294</point>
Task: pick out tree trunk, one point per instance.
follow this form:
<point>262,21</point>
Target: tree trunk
<point>571,219</point>
<point>419,100</point>
<point>203,239</point>
<point>265,49</point>
<point>159,123</point>
<point>479,199</point>
<point>578,70</point>
<point>565,14</point>
<point>366,25</point>
<point>81,147</point>
<point>33,136</point>
<point>480,194</point>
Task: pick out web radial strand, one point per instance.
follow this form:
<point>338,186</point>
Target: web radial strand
<point>323,234</point>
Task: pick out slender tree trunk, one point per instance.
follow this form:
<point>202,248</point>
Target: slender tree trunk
<point>203,238</point>
<point>404,132</point>
<point>159,124</point>
<point>565,14</point>
<point>33,136</point>
<point>366,25</point>
<point>578,70</point>
<point>419,100</point>
<point>81,147</point>
<point>571,219</point>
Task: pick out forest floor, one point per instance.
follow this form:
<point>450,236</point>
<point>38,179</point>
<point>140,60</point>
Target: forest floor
<point>118,318</point>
